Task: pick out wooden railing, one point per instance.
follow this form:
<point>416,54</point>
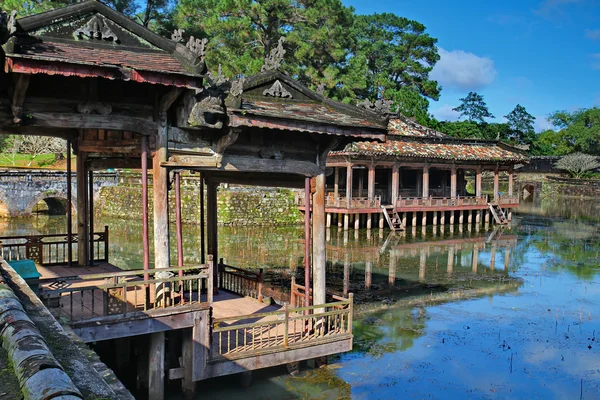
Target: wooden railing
<point>82,297</point>
<point>241,281</point>
<point>298,295</point>
<point>51,249</point>
<point>291,327</point>
<point>342,202</point>
<point>503,200</point>
<point>418,202</point>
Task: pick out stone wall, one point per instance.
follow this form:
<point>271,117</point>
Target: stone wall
<point>236,205</point>
<point>554,186</point>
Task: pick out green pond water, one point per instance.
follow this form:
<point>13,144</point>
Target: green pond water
<point>442,313</point>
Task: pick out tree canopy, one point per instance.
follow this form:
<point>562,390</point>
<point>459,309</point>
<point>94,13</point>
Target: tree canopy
<point>520,123</point>
<point>474,108</point>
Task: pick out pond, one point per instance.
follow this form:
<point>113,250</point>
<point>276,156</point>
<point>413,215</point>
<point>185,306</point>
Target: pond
<point>441,313</point>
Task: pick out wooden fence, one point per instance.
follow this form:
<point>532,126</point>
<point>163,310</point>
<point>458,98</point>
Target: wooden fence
<point>51,249</point>
<point>288,328</point>
<point>81,297</point>
<point>241,281</point>
<point>418,202</point>
<point>506,200</point>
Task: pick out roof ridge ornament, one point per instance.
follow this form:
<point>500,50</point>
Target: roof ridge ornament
<point>196,46</point>
<point>96,28</point>
<point>321,89</point>
<point>177,35</point>
<point>275,57</point>
<point>380,106</point>
<point>277,90</point>
<point>8,25</point>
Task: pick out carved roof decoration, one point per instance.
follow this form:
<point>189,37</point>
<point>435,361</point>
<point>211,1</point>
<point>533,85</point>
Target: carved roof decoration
<point>275,57</point>
<point>401,125</point>
<point>380,106</point>
<point>89,39</point>
<point>277,90</point>
<point>97,28</point>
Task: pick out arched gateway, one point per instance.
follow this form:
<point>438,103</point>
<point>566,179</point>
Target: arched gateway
<point>124,97</point>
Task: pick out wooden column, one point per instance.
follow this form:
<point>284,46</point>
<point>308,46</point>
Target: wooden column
<point>307,241</point>
<point>145,230</point>
<point>178,227</point>
<point>422,263</point>
<point>506,258</point>
<point>369,221</point>
<point>69,206</point>
<point>90,241</point>
<point>493,257</point>
<point>478,182</point>
<point>82,212</point>
<point>453,181</point>
<point>450,266</point>
<point>424,218</point>
<point>156,366</point>
<point>211,229</point>
<point>496,183</point>
<point>510,181</point>
<point>356,221</point>
<point>361,176</point>
<point>160,178</point>
<point>371,182</point>
<point>336,185</point>
<point>368,274</point>
<point>475,260</point>
<point>395,183</point>
<point>392,270</point>
<point>348,185</point>
<point>426,181</point>
<point>346,286</point>
<point>318,229</point>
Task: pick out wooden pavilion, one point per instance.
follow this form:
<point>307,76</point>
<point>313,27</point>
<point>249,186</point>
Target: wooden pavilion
<point>419,176</point>
<point>124,97</point>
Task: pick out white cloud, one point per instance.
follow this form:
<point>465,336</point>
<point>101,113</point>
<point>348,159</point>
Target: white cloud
<point>462,70</point>
<point>596,61</point>
<point>593,34</point>
<point>445,113</point>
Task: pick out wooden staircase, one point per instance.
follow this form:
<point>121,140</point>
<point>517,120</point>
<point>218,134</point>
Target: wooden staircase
<point>498,214</point>
<point>393,219</point>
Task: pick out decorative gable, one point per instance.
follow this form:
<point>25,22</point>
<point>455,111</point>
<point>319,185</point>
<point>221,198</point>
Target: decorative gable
<point>97,28</point>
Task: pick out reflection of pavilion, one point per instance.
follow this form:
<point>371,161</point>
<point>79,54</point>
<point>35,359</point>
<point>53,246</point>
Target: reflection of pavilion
<point>451,254</point>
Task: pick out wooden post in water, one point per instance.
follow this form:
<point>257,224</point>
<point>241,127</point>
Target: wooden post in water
<point>307,241</point>
<point>145,234</point>
<point>156,366</point>
<point>318,230</point>
<point>450,266</point>
<point>69,207</point>
<point>82,223</point>
<point>475,260</point>
<point>346,273</point>
<point>493,257</point>
<point>392,270</point>
<point>422,263</point>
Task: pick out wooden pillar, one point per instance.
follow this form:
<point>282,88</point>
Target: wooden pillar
<point>426,181</point>
<point>395,182</point>
<point>178,226</point>
<point>487,216</point>
<point>318,229</point>
<point>160,178</point>
<point>346,287</point>
<point>307,241</point>
<point>336,185</point>
<point>156,366</point>
<point>346,221</point>
<point>329,220</point>
<point>381,221</point>
<point>82,212</point>
<point>91,217</point>
<point>496,184</point>
<point>453,181</point>
<point>493,257</point>
<point>442,218</point>
<point>371,182</point>
<point>470,217</point>
<point>414,219</point>
<point>211,230</point>
<point>452,213</point>
<point>340,219</point>
<point>475,260</point>
<point>435,218</point>
<point>506,258</point>
<point>478,182</point>
<point>348,185</point>
<point>478,217</point>
<point>356,221</point>
<point>145,230</point>
<point>404,219</point>
<point>424,218</point>
<point>69,206</point>
<point>509,214</point>
<point>510,181</point>
<point>369,220</point>
<point>461,217</point>
<point>360,182</point>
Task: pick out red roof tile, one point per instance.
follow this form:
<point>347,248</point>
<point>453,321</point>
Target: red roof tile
<point>158,61</point>
<point>447,149</point>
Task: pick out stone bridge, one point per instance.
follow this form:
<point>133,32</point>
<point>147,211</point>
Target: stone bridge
<point>21,190</point>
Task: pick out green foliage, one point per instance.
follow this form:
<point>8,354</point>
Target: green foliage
<point>579,131</point>
<point>472,129</point>
<point>474,108</point>
<point>520,123</point>
<point>578,164</point>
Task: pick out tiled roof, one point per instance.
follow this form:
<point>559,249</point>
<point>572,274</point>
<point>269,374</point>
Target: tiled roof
<point>430,148</point>
<point>403,126</point>
<point>307,111</point>
<point>155,60</point>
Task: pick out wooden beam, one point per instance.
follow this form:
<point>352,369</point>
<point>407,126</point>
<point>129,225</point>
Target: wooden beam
<point>254,179</point>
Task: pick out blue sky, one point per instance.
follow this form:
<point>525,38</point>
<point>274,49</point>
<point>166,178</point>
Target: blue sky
<point>542,54</point>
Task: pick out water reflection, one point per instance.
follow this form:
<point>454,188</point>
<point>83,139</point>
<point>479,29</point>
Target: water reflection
<point>442,312</point>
